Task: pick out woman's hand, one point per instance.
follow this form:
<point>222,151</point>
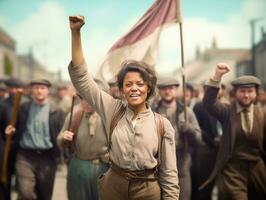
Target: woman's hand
<point>76,22</point>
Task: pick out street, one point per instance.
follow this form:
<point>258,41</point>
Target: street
<point>59,185</point>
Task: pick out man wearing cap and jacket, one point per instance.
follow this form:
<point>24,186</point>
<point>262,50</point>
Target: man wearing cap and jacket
<point>39,123</point>
<point>173,109</point>
<point>240,163</point>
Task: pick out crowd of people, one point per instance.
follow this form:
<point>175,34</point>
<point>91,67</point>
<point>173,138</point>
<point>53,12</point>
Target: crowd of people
<point>134,137</point>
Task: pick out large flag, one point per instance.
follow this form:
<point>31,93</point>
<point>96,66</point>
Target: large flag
<point>141,42</point>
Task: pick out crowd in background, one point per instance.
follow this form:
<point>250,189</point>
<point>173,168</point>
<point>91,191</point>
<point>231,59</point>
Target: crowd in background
<point>195,162</point>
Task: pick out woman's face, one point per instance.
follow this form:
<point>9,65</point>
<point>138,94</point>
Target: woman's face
<point>135,89</point>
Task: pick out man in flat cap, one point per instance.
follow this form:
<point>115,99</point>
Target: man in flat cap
<point>240,163</point>
<point>39,123</point>
<point>13,85</point>
<point>173,109</point>
<point>113,88</point>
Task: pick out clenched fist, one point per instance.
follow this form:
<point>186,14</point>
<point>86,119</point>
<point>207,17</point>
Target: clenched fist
<point>68,136</point>
<point>76,22</point>
<point>221,69</point>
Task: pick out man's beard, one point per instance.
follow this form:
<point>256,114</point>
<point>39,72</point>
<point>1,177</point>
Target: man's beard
<point>245,105</point>
<point>168,101</point>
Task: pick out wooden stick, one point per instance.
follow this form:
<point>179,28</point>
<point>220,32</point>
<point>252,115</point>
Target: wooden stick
<point>71,113</point>
<point>184,86</point>
<point>68,143</point>
<point>4,171</point>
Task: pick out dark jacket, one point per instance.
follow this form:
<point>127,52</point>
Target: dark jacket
<point>5,114</point>
<point>208,125</point>
<point>56,121</point>
<point>227,115</point>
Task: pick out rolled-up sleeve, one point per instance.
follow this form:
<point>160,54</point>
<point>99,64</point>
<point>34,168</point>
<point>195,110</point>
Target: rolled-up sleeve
<point>168,175</point>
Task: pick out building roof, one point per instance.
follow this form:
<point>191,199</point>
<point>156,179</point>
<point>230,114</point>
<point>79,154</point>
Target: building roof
<point>203,66</point>
<point>7,40</point>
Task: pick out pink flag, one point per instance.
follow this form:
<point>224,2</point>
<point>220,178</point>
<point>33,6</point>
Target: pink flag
<point>141,42</point>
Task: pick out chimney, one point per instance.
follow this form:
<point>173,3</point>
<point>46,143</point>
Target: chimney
<point>214,43</point>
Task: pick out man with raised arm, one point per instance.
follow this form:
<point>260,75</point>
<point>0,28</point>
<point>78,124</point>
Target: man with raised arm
<point>240,163</point>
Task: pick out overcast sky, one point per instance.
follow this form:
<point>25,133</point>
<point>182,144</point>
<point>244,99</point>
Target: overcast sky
<point>43,26</point>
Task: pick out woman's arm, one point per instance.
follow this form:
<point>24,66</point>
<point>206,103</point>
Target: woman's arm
<point>76,22</point>
<point>168,176</point>
<point>104,104</point>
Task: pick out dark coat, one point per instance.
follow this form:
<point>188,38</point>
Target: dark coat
<point>227,115</point>
<point>207,123</point>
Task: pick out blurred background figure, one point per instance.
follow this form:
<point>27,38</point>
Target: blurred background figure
<point>64,97</point>
<point>3,91</point>
<point>206,151</point>
<point>114,89</point>
<point>171,107</point>
<point>6,106</point>
<point>190,95</point>
<point>262,97</point>
<point>87,138</point>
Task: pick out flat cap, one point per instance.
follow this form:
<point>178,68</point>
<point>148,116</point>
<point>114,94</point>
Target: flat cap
<point>246,81</point>
<point>167,81</point>
<point>14,82</point>
<point>113,81</point>
<point>102,84</point>
<point>41,82</point>
<point>2,87</point>
<point>61,86</point>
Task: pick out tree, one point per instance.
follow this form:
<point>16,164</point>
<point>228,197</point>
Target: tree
<point>8,66</point>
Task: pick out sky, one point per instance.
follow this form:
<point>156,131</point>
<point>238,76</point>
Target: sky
<point>42,25</point>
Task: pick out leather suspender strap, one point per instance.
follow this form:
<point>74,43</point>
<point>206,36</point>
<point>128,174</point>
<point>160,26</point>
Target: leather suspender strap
<point>160,132</point>
<point>117,116</point>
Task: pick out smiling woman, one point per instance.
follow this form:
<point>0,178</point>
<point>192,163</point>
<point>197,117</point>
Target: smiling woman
<point>143,161</point>
<point>137,82</point>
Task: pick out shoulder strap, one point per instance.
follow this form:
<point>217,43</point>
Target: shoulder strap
<point>78,113</point>
<point>117,116</point>
<point>160,132</point>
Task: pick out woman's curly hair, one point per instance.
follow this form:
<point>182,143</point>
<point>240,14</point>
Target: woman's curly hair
<point>145,71</point>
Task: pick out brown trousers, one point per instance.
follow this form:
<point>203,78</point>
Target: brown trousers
<point>243,181</point>
<point>112,186</point>
<point>35,173</point>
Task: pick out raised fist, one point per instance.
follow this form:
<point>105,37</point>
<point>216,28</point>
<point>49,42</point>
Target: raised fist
<point>221,69</point>
<point>76,22</point>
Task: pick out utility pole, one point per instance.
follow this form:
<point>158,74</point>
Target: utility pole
<point>253,53</point>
